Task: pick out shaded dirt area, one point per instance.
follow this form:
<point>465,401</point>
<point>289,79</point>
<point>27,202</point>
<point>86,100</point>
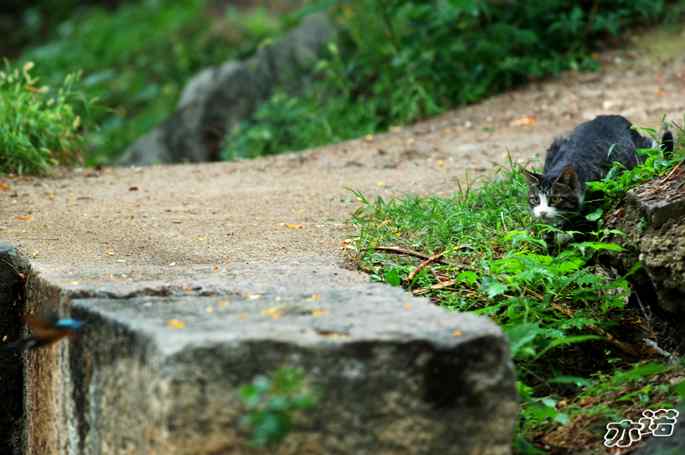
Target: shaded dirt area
<point>261,220</point>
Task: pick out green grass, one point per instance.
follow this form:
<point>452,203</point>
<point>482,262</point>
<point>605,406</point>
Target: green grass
<point>39,124</point>
<point>569,322</point>
<point>401,61</point>
<point>136,60</point>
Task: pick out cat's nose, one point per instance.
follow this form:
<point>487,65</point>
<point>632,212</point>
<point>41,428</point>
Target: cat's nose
<point>544,215</point>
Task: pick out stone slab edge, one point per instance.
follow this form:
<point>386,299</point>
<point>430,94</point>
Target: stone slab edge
<point>159,364</point>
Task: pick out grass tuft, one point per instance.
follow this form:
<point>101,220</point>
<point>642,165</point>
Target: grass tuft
<point>39,125</point>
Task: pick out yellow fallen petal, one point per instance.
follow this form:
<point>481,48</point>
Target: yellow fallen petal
<point>175,324</point>
<point>273,312</point>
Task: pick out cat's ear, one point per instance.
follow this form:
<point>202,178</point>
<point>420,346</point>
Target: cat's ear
<point>569,178</point>
<point>532,178</point>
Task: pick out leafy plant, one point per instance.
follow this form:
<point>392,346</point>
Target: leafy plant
<point>136,59</point>
<point>39,125</point>
<point>400,61</point>
<point>619,180</point>
<point>272,402</point>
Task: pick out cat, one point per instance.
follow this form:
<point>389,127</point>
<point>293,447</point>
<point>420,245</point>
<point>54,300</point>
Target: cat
<point>586,154</point>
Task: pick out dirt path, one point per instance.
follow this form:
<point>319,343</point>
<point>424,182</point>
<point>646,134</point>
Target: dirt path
<point>278,220</point>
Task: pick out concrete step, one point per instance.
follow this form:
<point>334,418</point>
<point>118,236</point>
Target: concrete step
<point>160,374</point>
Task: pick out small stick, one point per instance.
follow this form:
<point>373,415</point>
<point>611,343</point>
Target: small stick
<point>423,265</point>
<point>646,313</point>
<point>625,347</point>
<point>398,250</point>
<point>435,287</point>
<point>670,174</point>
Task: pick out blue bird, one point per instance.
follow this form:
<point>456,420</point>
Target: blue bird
<point>45,332</point>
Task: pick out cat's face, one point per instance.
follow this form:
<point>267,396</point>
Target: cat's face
<point>552,200</point>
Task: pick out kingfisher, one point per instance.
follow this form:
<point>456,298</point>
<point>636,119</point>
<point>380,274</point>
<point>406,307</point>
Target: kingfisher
<point>44,332</point>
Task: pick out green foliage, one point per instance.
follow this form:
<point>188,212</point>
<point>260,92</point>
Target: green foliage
<point>137,58</point>
<point>400,61</point>
<point>566,316</point>
<point>272,403</point>
<point>612,397</point>
<point>39,125</point>
<point>619,180</point>
<point>502,270</point>
<point>294,123</point>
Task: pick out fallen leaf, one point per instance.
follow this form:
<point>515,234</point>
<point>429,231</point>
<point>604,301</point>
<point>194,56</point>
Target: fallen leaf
<point>210,309</point>
<point>109,253</point>
<point>457,333</point>
<point>318,312</point>
<point>24,217</point>
<point>4,186</point>
<point>175,324</point>
<point>133,188</point>
<point>528,120</point>
<point>314,298</point>
<point>254,296</point>
<point>274,312</point>
<point>294,226</point>
<point>407,306</point>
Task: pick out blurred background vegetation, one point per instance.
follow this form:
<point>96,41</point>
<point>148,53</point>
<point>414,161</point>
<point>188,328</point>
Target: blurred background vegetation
<point>397,61</point>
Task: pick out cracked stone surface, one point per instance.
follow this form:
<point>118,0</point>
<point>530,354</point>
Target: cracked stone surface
<point>161,374</point>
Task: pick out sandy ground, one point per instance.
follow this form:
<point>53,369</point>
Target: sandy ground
<point>272,219</point>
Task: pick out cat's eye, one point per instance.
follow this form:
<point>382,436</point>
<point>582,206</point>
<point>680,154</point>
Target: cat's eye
<point>554,200</point>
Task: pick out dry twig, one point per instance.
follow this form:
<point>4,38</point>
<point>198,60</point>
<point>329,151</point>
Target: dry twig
<point>398,250</point>
<point>670,174</point>
<point>423,265</point>
<point>435,287</point>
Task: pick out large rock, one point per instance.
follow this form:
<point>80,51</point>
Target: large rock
<point>655,213</point>
<point>218,99</point>
<point>396,375</point>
